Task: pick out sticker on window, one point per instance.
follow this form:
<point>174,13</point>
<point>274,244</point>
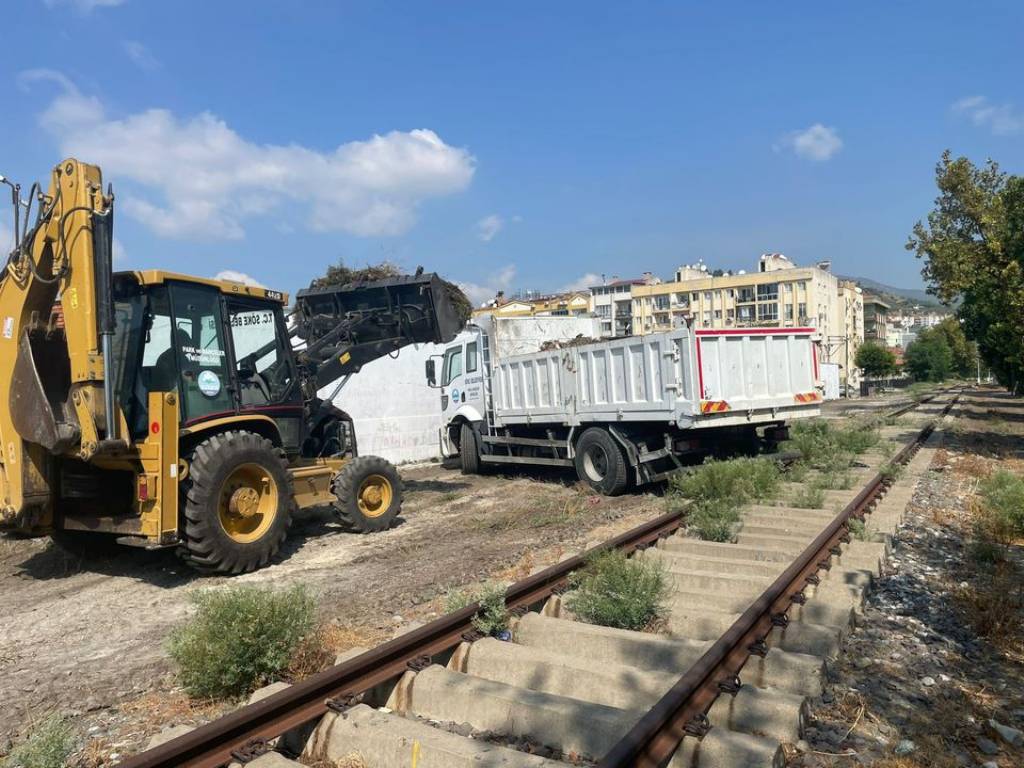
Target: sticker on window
<point>209,383</point>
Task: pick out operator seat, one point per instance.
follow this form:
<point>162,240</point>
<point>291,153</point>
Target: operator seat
<point>165,372</point>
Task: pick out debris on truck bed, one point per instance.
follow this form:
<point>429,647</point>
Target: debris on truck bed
<point>578,341</point>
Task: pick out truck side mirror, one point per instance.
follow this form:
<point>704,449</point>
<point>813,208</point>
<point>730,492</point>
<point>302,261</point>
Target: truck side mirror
<point>431,373</point>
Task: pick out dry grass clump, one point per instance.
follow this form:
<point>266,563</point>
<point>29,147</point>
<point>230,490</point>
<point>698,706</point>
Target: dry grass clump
<point>49,744</point>
<point>994,604</point>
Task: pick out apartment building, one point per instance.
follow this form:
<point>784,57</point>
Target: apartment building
<point>876,322</point>
<point>612,303</point>
<point>777,294</point>
<point>573,303</point>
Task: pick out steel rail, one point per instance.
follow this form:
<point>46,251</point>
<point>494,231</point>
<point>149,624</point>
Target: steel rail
<point>244,733</point>
<point>682,710</point>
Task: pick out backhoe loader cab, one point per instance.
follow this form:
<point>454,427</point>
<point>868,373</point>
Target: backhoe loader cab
<point>159,410</point>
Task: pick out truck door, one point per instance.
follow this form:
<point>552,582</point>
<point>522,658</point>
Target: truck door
<point>451,382</point>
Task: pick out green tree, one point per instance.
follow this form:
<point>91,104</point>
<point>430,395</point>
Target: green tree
<point>973,248</point>
<point>965,354</point>
<point>929,358</point>
<point>875,359</point>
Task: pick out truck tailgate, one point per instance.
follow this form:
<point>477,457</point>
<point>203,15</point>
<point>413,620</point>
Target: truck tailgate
<point>756,368</point>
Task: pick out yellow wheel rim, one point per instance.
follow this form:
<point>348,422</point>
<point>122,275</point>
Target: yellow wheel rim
<point>375,495</point>
<point>247,504</point>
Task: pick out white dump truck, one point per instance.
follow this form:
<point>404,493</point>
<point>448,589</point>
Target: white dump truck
<point>538,390</point>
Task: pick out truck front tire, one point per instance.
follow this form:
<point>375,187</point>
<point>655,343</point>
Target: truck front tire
<point>601,463</point>
<point>469,450</point>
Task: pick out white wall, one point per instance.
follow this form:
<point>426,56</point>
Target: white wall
<point>396,414</point>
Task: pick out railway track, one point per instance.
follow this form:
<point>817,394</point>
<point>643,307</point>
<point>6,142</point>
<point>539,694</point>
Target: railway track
<point>751,626</point>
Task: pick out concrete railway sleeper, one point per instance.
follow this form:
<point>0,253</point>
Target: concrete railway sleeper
<point>751,627</point>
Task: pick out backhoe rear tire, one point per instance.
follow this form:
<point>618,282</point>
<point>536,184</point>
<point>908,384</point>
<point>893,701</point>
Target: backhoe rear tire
<point>368,493</point>
<point>469,450</point>
<point>237,503</point>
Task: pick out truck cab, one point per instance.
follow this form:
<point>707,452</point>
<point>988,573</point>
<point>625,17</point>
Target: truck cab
<point>461,385</point>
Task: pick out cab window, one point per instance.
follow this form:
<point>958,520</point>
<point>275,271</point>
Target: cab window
<point>452,365</point>
<point>197,343</point>
<point>264,369</point>
<point>471,357</point>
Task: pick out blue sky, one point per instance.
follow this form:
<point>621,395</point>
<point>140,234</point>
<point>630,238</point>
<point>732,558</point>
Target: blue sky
<point>532,145</point>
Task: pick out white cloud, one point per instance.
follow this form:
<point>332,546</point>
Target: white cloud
<point>201,179</point>
<point>85,6</point>
<point>489,226</point>
<point>238,277</point>
<point>818,142</point>
<point>6,241</point>
<point>581,283</point>
<point>1001,119</point>
<point>481,293</point>
<point>140,54</point>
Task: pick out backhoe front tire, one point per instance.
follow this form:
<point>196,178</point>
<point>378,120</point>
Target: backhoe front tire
<point>368,493</point>
<point>237,503</point>
<point>469,450</point>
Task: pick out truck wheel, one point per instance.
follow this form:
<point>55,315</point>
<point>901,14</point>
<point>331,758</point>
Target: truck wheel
<point>238,500</point>
<point>469,450</point>
<point>601,463</point>
<point>368,494</point>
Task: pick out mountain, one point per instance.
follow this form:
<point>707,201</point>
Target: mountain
<point>900,298</point>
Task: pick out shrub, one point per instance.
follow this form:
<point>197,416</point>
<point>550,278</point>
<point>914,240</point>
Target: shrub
<point>240,638</point>
<point>713,519</point>
<point>856,439</point>
<point>717,490</point>
<point>809,497</point>
<point>859,529</point>
<point>49,744</point>
<point>491,616</point>
<point>616,591</point>
<point>1002,495</point>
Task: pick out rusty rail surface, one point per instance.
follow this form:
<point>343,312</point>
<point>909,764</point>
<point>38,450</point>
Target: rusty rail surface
<point>682,710</point>
<point>244,734</point>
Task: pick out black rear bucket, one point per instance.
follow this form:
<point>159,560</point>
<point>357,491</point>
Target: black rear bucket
<point>345,327</point>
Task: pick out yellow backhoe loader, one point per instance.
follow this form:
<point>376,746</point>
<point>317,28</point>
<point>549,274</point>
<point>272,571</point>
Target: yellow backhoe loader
<point>153,409</point>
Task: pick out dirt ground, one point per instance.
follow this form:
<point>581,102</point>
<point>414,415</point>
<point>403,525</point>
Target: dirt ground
<point>87,638</point>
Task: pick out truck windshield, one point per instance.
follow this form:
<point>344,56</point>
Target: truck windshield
<point>452,365</point>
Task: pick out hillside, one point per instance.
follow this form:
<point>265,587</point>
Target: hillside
<point>899,298</point>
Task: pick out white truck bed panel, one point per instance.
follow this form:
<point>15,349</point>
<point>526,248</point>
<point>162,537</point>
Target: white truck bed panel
<point>706,378</point>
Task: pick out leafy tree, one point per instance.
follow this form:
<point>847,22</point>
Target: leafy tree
<point>965,354</point>
<point>929,358</point>
<point>973,249</point>
<point>875,359</point>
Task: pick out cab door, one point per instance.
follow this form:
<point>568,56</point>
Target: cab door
<point>264,369</point>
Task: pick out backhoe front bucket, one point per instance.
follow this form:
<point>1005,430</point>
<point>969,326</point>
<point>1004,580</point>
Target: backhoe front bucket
<point>347,326</point>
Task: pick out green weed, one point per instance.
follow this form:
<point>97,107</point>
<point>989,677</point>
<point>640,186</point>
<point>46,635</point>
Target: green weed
<point>240,638</point>
<point>491,615</point>
<point>616,591</point>
<point>809,497</point>
<point>49,744</point>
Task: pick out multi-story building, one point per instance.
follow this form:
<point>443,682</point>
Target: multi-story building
<point>573,303</point>
<point>778,294</point>
<point>876,322</point>
<point>612,303</point>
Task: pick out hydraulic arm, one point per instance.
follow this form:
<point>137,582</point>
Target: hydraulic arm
<point>54,361</point>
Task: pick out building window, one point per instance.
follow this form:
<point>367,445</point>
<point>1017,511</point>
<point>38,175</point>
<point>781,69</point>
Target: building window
<point>767,312</point>
<point>746,314</point>
<point>603,310</point>
<point>746,294</point>
<point>718,314</point>
<point>789,312</point>
<point>801,311</point>
<point>707,295</point>
<point>661,302</point>
<point>707,318</point>
<point>730,313</point>
<point>768,292</point>
<point>682,298</point>
<point>694,297</point>
<point>787,288</point>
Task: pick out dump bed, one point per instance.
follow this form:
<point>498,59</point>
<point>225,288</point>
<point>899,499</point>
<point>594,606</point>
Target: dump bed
<point>685,377</point>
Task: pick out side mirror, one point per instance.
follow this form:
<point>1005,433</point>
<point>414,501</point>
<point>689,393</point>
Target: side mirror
<point>431,373</point>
